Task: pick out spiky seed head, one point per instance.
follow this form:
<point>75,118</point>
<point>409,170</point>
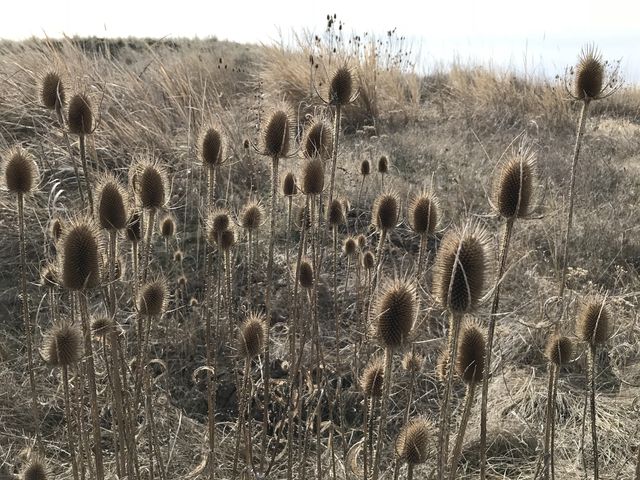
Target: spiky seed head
<point>152,299</point>
<point>276,136</point>
<point>396,308</point>
<point>368,260</point>
<point>52,92</point>
<point>442,365</point>
<point>182,281</point>
<point>227,239</point>
<point>151,185</point>
<point>134,228</point>
<point>341,87</point>
<point>55,229</point>
<point>362,241</point>
<point>590,71</point>
<point>178,256</point>
<point>461,269</point>
<point>193,302</point>
<point>413,441</point>
<point>318,140</point>
<point>81,255</point>
<point>383,164</point>
<point>62,345</point>
<point>371,380</point>
<point>303,218</point>
<point>167,226</point>
<point>313,176</point>
<point>49,275</point>
<point>424,213</point>
<point>112,204</point>
<point>252,216</point>
<point>305,275</point>
<point>335,214</point>
<point>386,210</point>
<point>514,190</point>
<point>20,172</point>
<point>35,470</point>
<point>470,353</point>
<point>412,362</point>
<point>350,247</point>
<point>365,167</point>
<point>251,337</point>
<point>559,349</point>
<point>103,326</point>
<point>218,221</point>
<point>79,115</point>
<point>211,148</point>
<point>592,325</point>
<point>289,185</point>
<point>246,144</point>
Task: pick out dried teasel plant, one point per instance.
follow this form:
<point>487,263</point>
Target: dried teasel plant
<point>372,385</point>
<point>211,146</point>
<point>412,444</point>
<point>80,122</point>
<point>424,216</point>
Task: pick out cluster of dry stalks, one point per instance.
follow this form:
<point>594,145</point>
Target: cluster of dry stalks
<point>107,295</point>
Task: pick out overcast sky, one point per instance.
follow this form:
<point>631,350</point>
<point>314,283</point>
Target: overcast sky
<point>548,33</point>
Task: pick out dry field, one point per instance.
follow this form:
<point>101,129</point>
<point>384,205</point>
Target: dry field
<point>149,357</point>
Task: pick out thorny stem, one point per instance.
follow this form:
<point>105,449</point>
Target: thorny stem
<point>210,363</point>
<point>85,170</point>
<point>383,410</point>
<point>73,159</point>
<point>334,153</point>
<point>592,401</point>
<point>241,413</point>
<point>457,449</point>
<point>67,413</point>
<point>550,419</point>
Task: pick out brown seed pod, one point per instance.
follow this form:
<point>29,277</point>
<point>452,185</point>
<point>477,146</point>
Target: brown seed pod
<point>151,185</point>
<point>305,275</point>
<point>252,216</point>
<point>167,226</point>
<point>289,185</point>
<point>20,172</point>
<point>470,353</point>
<point>313,176</point>
<point>413,441</point>
<point>396,308</point>
<point>371,380</point>
<point>303,217</point>
<point>335,214</point>
<point>63,345</point>
<point>412,362</point>
<point>559,350</point>
<point>442,365</point>
<point>134,228</point>
<point>52,92</point>
<point>246,144</point>
<point>592,325</point>
<point>152,299</point>
<point>80,255</point>
<point>383,164</point>
<point>424,212</point>
<point>178,256</point>
<point>49,275</point>
<point>341,87</point>
<point>251,337</point>
<point>350,247</point>
<point>368,260</point>
<point>590,71</point>
<point>182,281</point>
<point>386,210</point>
<point>461,269</point>
<point>193,302</point>
<point>112,204</point>
<point>79,115</point>
<point>35,470</point>
<point>365,167</point>
<point>514,189</point>
<point>211,148</point>
<point>362,241</point>
<point>227,239</point>
<point>55,229</point>
<point>102,327</point>
<point>217,222</point>
<point>277,134</point>
<point>318,140</point>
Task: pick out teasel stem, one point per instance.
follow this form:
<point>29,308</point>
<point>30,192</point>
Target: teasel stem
<point>443,435</point>
<point>549,423</point>
<point>85,170</point>
<point>250,260</point>
<point>502,261</point>
<point>383,410</point>
<point>93,392</point>
<point>338,361</point>
<point>228,273</point>
<point>412,378</point>
<point>142,357</point>
<point>26,315</point>
<point>111,255</point>
<point>210,353</point>
<point>71,156</point>
<point>457,449</point>
<point>241,420</point>
<point>334,153</point>
<point>565,248</point>
<point>421,255</point>
<point>368,412</point>
<point>147,248</point>
<point>85,456</point>
<point>591,361</point>
<point>136,268</point>
<point>153,441</point>
<point>383,236</point>
<point>67,413</point>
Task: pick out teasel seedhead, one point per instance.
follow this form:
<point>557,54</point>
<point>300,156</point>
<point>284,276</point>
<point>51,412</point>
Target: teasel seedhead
<point>335,214</point>
<point>80,115</point>
<point>52,93</point>
<point>80,255</point>
<point>424,213</point>
<point>289,185</point>
<point>341,87</point>
<point>150,184</point>
<point>277,133</point>
<point>313,176</point>
<point>152,299</point>
<point>112,209</point>
<point>252,335</point>
<point>514,189</point>
<point>386,210</point>
<point>227,239</point>
<point>361,240</point>
<point>103,326</point>
<point>559,349</point>
<point>56,227</point>
<point>49,275</point>
<point>372,379</point>
<point>318,140</point>
<point>35,470</point>
<point>350,247</point>
<point>412,362</point>
<point>252,216</point>
<point>218,221</point>
<point>167,225</point>
<point>383,164</point>
<point>178,256</point>
<point>305,274</point>
<point>412,443</point>
<point>396,308</point>
<point>20,171</point>
<point>365,167</point>
<point>589,76</point>
<point>592,324</point>
<point>63,345</point>
<point>470,354</point>
<point>368,260</point>
<point>211,147</point>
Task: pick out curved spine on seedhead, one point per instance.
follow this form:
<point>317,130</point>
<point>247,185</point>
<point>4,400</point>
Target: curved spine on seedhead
<point>277,133</point>
<point>593,321</point>
<point>386,211</point>
<point>20,172</point>
<point>49,275</point>
<point>150,184</point>
<point>372,379</point>
<point>412,443</point>
<point>80,255</point>
<point>514,189</point>
<point>317,140</point>
<point>35,470</point>
<point>592,79</point>
<point>462,268</point>
<point>103,326</point>
<point>63,345</point>
<point>252,216</point>
<point>56,227</point>
<point>211,147</point>
<point>470,354</point>
<point>52,93</point>
<point>335,214</point>
<point>313,176</point>
<point>80,115</point>
<point>167,225</point>
<point>424,213</point>
<point>112,211</point>
<point>153,297</point>
<point>395,310</point>
<point>559,350</point>
<point>134,227</point>
<point>218,221</point>
<point>289,188</point>
<point>251,336</point>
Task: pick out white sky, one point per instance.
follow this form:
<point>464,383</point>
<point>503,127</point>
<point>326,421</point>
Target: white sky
<point>549,33</point>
